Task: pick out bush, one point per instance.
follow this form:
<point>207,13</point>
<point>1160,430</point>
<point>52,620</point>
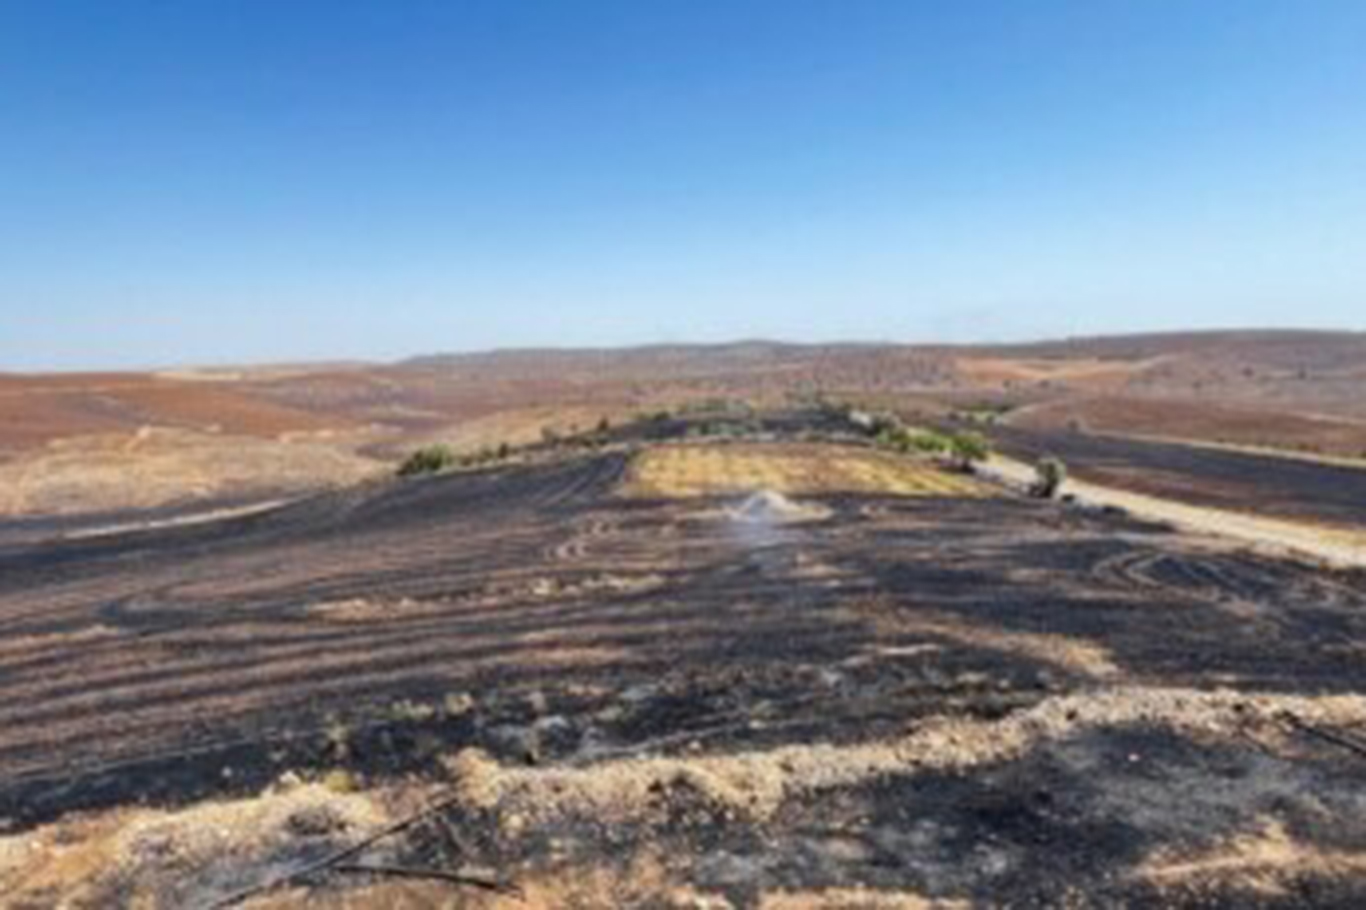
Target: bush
<point>1049,475</point>
<point>886,436</point>
<point>929,442</point>
<point>887,423</point>
<point>968,448</point>
<point>427,460</point>
<point>903,439</point>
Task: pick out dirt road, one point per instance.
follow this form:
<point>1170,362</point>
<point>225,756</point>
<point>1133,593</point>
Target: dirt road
<point>1235,481</point>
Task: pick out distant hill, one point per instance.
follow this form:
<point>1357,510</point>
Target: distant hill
<point>1289,389</point>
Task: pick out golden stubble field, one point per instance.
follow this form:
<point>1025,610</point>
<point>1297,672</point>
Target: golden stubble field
<point>709,470</point>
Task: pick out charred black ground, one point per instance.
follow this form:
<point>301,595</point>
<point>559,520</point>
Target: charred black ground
<point>536,613</point>
<point>1264,484</point>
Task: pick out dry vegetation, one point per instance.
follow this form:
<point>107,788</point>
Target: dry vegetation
<point>154,467</point>
<point>693,470</point>
<point>1265,861</point>
<point>163,858</point>
<point>755,785</point>
<point>204,854</point>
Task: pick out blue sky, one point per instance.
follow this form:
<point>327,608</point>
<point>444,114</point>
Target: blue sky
<point>251,181</point>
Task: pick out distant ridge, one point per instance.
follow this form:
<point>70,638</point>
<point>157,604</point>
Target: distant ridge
<point>1125,346</point>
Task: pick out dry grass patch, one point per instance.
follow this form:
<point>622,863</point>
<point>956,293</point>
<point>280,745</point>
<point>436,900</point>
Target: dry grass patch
<point>644,881</point>
<point>689,471</point>
<point>854,899</point>
<point>27,646</point>
<point>192,857</point>
<point>1266,861</point>
<point>152,467</point>
<point>1074,655</point>
<point>754,785</point>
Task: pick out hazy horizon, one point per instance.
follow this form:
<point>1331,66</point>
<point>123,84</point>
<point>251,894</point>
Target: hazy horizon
<point>286,363</point>
<point>271,183</point>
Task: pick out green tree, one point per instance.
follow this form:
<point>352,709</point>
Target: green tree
<point>968,449</point>
<point>930,442</point>
<point>1049,475</point>
<point>427,460</point>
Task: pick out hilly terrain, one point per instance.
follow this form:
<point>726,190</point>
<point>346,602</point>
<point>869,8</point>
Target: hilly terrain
<point>89,443</point>
<point>731,626</point>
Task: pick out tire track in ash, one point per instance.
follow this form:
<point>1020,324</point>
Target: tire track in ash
<point>1220,578</point>
<point>583,534</point>
<point>582,483</point>
<point>1274,605</point>
<point>250,583</point>
<point>215,634</point>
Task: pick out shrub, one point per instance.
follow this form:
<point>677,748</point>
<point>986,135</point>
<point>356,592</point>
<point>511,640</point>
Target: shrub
<point>887,422</point>
<point>427,460</point>
<point>903,439</point>
<point>1049,475</point>
<point>968,448</point>
<point>929,442</point>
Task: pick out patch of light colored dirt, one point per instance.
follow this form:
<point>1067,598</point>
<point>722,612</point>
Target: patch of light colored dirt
<point>32,645</point>
<point>181,521</point>
<point>1064,652</point>
<point>522,426</point>
<point>363,610</point>
<point>153,467</point>
<point>1095,371</point>
<point>189,857</point>
<point>854,899</point>
<point>644,881</point>
<point>1265,861</point>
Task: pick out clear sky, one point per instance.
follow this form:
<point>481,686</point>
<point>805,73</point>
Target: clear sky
<point>203,181</point>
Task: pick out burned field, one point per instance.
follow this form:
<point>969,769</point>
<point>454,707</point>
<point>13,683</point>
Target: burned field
<point>834,700</point>
<point>1240,481</point>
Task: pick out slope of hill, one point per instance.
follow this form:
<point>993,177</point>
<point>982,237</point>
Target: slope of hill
<point>1295,390</point>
